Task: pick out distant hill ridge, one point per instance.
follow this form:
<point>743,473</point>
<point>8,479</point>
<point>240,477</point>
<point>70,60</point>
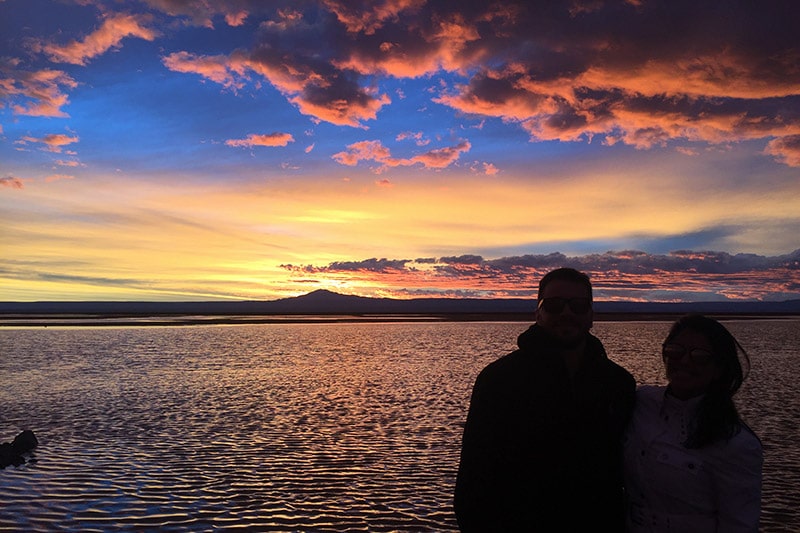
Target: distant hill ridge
<point>327,302</point>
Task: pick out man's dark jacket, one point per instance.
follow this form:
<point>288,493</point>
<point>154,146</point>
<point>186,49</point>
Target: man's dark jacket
<point>541,451</point>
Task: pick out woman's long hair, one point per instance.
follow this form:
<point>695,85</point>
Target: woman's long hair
<point>716,418</point>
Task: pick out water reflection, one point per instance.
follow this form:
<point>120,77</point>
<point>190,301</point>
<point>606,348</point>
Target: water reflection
<point>324,427</point>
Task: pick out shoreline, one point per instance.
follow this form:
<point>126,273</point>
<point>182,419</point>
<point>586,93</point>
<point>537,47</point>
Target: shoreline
<point>162,320</point>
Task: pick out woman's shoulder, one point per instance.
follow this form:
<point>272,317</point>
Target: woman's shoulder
<point>746,440</point>
<point>649,399</point>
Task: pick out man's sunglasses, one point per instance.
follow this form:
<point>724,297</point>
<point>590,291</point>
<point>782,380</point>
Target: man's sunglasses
<point>675,352</point>
<point>556,305</point>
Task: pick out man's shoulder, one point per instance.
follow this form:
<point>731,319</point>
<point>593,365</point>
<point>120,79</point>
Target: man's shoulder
<point>509,362</point>
<point>509,367</point>
<point>616,372</point>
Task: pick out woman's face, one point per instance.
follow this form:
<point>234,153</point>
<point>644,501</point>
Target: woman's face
<point>691,364</point>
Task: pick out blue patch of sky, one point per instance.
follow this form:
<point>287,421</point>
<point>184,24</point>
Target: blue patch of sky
<point>20,19</point>
<point>704,240</point>
<point>149,112</point>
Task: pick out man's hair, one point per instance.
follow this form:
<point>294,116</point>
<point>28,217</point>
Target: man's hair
<point>565,274</point>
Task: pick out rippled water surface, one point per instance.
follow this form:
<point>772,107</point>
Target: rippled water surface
<point>298,427</point>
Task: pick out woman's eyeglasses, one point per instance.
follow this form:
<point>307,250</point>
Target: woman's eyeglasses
<point>675,352</point>
<point>556,305</point>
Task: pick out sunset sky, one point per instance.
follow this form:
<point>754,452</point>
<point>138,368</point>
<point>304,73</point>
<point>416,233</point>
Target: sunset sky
<point>244,149</point>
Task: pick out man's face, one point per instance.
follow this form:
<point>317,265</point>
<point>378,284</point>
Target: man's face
<point>568,325</point>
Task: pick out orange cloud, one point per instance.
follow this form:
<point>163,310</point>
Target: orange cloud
<point>489,169</point>
<point>66,163</point>
<point>357,19</point>
<point>376,151</point>
<point>626,275</point>
<point>112,31</point>
<point>786,150</point>
<point>269,139</point>
<point>53,141</point>
<point>12,182</point>
<point>326,96</point>
<point>342,112</point>
<point>236,19</point>
<point>34,93</point>
<point>441,157</point>
<point>202,12</point>
<point>361,151</point>
<point>219,69</point>
<point>632,72</point>
<point>442,45</point>
<point>417,137</point>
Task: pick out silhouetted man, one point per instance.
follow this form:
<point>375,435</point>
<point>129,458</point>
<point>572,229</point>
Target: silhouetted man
<point>542,442</point>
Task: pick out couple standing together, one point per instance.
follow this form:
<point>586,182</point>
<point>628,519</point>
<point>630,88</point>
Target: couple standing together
<point>558,438</point>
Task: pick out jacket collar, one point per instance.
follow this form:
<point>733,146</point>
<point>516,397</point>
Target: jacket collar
<point>536,339</point>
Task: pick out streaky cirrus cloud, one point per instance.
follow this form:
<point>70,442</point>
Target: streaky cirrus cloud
<point>57,177</point>
<point>114,28</point>
<point>268,139</point>
<point>375,151</point>
<point>626,275</point>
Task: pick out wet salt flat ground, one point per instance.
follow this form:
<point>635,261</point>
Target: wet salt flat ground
<point>297,427</point>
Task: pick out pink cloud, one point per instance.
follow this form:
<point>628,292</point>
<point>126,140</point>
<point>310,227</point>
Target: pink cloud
<point>269,139</point>
<point>65,163</point>
<point>785,149</point>
<point>236,19</point>
<point>202,12</point>
<point>359,20</point>
<point>489,169</point>
<point>53,142</point>
<point>112,31</point>
<point>363,151</point>
<point>418,138</point>
<point>343,112</point>
<point>626,275</point>
<point>441,157</point>
<point>11,182</point>
<point>633,72</point>
<point>39,93</point>
<point>377,152</point>
<point>229,73</point>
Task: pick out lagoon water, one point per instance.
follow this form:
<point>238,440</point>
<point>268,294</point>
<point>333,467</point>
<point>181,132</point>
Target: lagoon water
<point>299,427</point>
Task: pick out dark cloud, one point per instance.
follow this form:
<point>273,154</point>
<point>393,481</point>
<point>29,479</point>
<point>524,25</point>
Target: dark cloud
<point>367,265</point>
<point>628,274</point>
<point>644,73</point>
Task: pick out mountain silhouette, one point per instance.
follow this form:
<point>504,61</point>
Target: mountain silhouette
<point>324,302</point>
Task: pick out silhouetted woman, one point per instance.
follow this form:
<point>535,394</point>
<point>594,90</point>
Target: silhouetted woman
<point>691,464</point>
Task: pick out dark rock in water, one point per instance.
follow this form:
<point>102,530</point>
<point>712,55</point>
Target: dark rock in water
<point>25,442</point>
<point>12,453</point>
